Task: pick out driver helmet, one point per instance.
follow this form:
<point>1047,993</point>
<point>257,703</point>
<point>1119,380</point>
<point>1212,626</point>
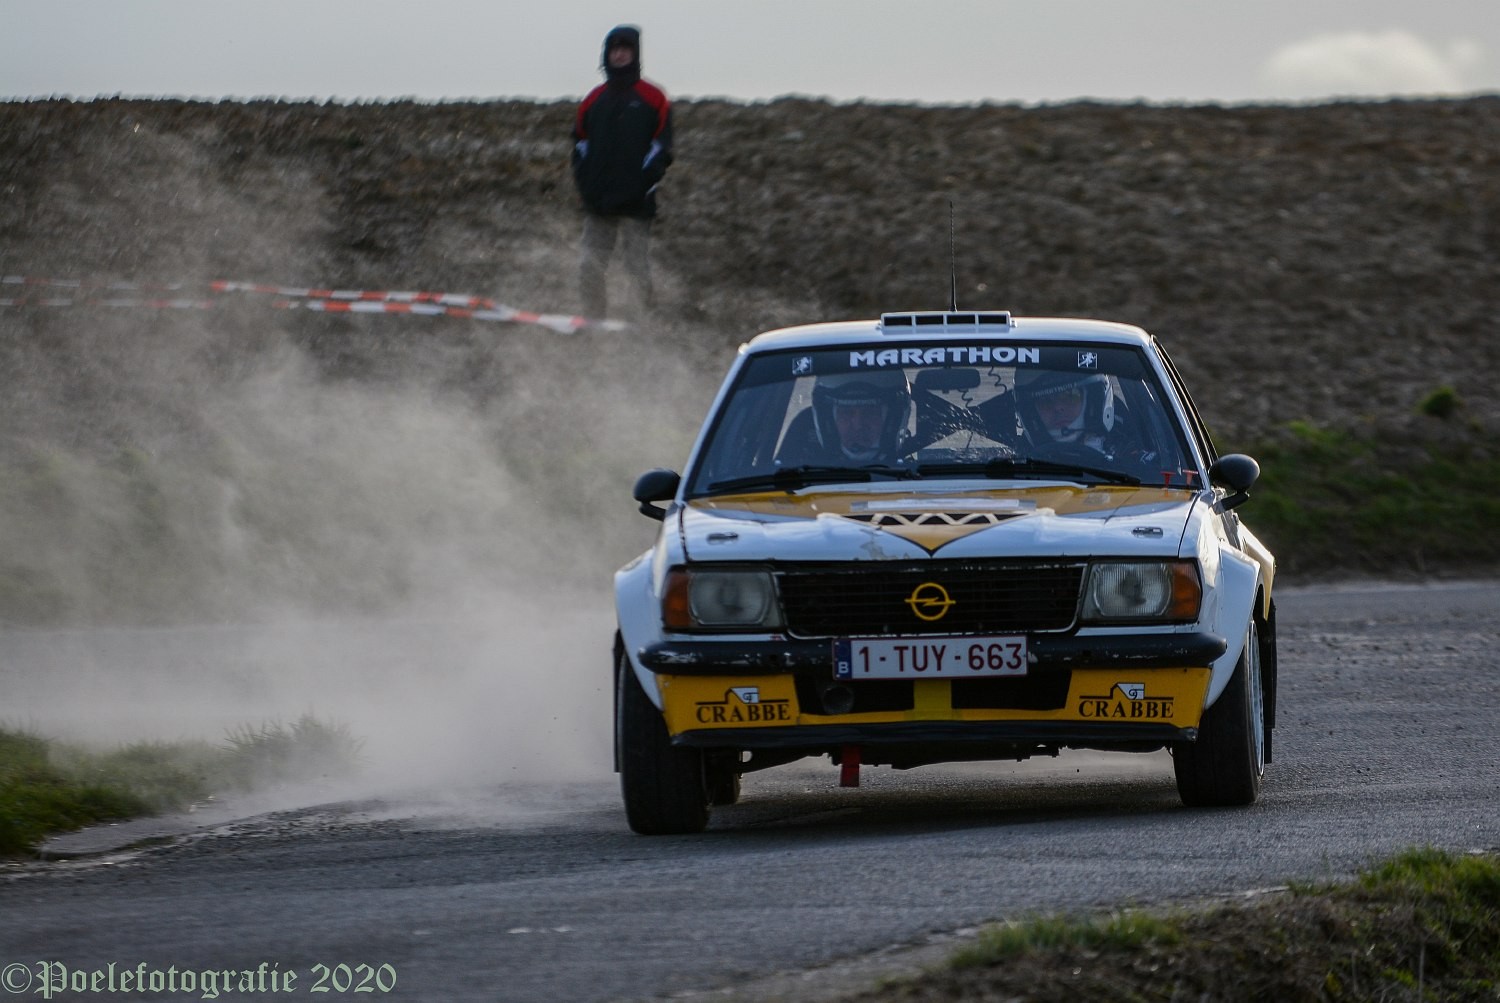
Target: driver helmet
<point>862,415</point>
<point>1065,406</point>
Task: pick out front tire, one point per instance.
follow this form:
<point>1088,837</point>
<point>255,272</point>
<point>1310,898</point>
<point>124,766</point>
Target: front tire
<point>662,784</point>
<point>1223,768</point>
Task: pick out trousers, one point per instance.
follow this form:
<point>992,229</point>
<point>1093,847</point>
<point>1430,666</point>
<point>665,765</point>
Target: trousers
<point>600,234</point>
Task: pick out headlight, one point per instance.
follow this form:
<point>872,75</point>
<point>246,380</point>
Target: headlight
<point>1145,590</point>
<point>741,599</point>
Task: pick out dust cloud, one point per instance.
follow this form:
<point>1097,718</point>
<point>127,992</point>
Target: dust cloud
<point>220,518</point>
<point>406,526</point>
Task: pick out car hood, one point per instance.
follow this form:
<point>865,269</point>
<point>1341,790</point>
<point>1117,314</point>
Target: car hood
<point>900,522</point>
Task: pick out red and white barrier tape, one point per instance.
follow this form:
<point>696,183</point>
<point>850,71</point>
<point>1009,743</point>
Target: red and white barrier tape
<point>430,304</point>
<point>561,323</point>
<point>359,295</point>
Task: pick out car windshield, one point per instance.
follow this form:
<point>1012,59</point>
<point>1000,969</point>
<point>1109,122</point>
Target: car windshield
<point>969,409</point>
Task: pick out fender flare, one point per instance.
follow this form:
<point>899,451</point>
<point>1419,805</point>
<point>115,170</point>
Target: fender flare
<point>637,609</point>
<point>1258,553</point>
<point>1239,588</point>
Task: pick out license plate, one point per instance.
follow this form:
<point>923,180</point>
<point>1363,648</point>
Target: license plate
<point>928,657</point>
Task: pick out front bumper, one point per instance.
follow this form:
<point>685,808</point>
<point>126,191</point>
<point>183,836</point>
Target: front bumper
<point>1048,653</point>
<point>1085,707</point>
<point>981,740</point>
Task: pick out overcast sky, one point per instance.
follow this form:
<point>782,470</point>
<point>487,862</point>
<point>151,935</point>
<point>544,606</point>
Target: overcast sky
<point>932,51</point>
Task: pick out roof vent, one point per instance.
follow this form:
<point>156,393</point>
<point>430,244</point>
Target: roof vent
<point>936,322</point>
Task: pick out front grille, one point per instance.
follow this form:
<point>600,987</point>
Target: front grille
<point>867,599</point>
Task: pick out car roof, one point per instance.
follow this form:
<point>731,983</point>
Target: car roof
<point>925,326</point>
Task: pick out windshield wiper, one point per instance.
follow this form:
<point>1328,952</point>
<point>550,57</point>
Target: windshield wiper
<point>1026,466</point>
<point>792,478</point>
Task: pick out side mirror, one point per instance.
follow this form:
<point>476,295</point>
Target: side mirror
<point>1237,473</point>
<point>656,485</point>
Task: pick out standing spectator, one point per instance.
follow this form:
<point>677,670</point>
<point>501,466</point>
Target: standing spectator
<point>622,147</point>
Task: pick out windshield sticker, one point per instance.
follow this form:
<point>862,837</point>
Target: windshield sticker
<point>1088,360</point>
<point>802,366</point>
<point>971,354</point>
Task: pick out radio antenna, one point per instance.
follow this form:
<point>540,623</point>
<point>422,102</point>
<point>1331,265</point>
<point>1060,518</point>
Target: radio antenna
<point>952,260</point>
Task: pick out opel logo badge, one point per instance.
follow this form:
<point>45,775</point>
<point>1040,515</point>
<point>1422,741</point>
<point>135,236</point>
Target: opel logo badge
<point>929,601</point>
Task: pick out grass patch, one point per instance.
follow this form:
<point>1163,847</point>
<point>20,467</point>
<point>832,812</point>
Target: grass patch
<point>1443,402</point>
<point>37,798</point>
<point>273,753</point>
<point>1379,502</point>
<point>49,787</point>
<point>1118,931</point>
<point>1424,925</point>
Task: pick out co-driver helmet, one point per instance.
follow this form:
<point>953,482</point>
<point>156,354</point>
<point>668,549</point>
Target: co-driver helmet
<point>1095,417</point>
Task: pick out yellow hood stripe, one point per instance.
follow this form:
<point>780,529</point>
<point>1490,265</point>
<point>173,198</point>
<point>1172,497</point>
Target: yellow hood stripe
<point>933,520</point>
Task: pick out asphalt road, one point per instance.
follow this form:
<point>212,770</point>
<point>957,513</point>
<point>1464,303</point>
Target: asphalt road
<point>1389,737</point>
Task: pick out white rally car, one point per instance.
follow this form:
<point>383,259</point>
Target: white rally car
<point>939,537</point>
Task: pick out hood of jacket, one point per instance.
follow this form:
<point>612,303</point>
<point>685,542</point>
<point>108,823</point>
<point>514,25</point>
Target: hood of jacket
<point>627,34</point>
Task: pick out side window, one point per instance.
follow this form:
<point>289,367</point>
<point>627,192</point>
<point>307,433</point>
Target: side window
<point>796,421</point>
<point>745,440</point>
<point>1198,430</point>
<point>1151,424</point>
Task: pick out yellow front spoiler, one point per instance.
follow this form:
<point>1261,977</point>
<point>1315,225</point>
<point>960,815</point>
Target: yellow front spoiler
<point>1171,697</point>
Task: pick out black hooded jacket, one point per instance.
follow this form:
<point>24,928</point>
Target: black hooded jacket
<point>622,138</point>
